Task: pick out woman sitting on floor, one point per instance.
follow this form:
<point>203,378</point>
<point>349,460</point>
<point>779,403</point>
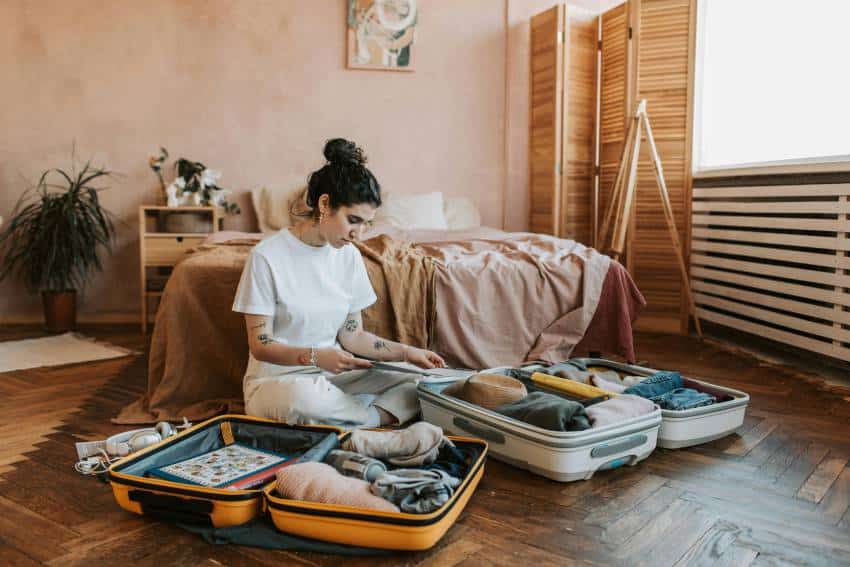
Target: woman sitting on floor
<point>302,291</point>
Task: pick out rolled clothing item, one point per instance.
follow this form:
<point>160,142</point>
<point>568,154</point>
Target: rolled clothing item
<point>607,375</point>
<point>600,380</point>
<point>355,465</point>
<point>570,369</point>
<point>320,482</point>
<point>548,411</point>
<point>413,446</point>
<point>632,380</point>
<point>619,409</point>
<point>580,372</point>
<point>684,399</point>
<point>415,490</point>
<point>656,385</point>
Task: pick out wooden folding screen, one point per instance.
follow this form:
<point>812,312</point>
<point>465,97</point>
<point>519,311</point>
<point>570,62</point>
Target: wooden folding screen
<point>561,135</point>
<point>546,121</point>
<point>614,97</point>
<point>661,41</point>
<point>646,53</point>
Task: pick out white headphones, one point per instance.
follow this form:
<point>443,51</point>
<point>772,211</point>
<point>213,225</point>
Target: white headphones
<point>128,442</point>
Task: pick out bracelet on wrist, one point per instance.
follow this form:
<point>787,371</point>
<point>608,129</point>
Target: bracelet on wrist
<point>314,356</point>
<point>404,353</point>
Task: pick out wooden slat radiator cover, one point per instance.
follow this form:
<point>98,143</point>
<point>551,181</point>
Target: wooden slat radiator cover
<point>774,261</point>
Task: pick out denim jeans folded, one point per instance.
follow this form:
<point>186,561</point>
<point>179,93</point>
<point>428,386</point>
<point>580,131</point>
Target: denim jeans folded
<point>656,385</point>
<point>684,398</point>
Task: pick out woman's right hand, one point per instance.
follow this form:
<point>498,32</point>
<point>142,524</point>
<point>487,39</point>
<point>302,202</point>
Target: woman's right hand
<point>337,360</point>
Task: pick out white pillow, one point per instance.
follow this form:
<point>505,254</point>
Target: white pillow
<point>423,211</point>
<point>461,213</point>
<point>272,207</point>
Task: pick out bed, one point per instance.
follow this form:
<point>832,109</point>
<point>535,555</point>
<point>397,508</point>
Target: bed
<point>479,296</point>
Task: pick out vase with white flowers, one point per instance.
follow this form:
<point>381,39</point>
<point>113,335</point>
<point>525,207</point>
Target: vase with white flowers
<point>194,184</point>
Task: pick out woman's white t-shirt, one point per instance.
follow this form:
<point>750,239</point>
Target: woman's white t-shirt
<point>309,290</point>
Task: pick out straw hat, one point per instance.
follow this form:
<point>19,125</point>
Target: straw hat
<point>488,390</point>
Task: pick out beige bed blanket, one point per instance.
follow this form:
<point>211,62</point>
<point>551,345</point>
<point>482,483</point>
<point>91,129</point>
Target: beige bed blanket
<point>480,298</point>
<point>508,298</point>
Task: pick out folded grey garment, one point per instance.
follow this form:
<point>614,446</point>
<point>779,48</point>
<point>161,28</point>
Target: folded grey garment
<point>413,446</point>
<point>415,490</point>
<point>548,411</point>
<point>619,408</point>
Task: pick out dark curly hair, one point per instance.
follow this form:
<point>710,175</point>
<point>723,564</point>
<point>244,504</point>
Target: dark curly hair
<point>345,178</point>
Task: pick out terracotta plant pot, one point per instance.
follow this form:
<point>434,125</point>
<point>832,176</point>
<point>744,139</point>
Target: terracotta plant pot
<point>60,310</point>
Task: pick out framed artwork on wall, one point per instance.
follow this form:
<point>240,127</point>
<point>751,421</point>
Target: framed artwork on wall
<point>380,34</point>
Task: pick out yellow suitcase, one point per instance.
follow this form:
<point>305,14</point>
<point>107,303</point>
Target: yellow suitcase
<point>216,507</point>
<point>377,529</point>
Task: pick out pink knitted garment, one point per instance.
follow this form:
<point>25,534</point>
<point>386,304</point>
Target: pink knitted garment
<point>620,408</point>
<point>320,482</point>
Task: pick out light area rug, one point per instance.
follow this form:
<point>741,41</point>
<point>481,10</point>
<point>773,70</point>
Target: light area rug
<point>69,348</point>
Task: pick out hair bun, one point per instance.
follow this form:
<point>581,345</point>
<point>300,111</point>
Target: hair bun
<point>340,150</point>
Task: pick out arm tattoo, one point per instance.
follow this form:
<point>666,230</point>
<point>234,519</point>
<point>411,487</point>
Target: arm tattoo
<point>351,325</point>
<point>265,339</point>
<point>379,344</point>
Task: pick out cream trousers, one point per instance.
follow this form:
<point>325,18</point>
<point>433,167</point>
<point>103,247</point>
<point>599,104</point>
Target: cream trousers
<point>342,399</point>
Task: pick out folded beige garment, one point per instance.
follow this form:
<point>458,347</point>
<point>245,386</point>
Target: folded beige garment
<point>320,482</point>
<point>411,447</point>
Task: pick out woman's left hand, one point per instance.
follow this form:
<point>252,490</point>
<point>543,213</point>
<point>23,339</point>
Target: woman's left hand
<point>424,358</point>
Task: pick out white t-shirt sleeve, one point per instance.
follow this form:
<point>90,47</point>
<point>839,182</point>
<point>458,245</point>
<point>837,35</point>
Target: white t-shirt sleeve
<point>256,292</point>
<point>362,294</point>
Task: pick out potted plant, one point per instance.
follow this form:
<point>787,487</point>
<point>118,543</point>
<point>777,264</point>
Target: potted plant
<point>53,239</point>
<point>194,184</point>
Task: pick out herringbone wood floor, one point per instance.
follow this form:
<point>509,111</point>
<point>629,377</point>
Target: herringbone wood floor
<point>776,492</point>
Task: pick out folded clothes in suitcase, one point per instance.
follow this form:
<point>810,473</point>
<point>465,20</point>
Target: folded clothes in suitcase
<point>146,482</point>
<point>559,455</point>
<point>378,528</point>
<point>687,427</point>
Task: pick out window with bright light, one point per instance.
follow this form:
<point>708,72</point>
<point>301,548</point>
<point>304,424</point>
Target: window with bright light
<point>772,83</point>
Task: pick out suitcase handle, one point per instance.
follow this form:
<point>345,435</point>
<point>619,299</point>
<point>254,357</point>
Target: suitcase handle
<point>174,508</point>
<point>618,447</point>
<point>483,432</point>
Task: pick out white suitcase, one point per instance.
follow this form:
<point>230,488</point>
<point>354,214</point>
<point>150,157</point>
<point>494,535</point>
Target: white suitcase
<point>695,426</point>
<point>560,455</point>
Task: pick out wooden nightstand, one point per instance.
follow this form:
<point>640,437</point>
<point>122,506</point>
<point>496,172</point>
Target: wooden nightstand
<point>165,234</point>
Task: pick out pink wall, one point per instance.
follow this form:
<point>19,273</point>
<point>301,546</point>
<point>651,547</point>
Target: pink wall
<point>252,88</point>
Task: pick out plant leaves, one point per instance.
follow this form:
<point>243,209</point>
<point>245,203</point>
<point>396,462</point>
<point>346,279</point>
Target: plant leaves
<point>53,242</point>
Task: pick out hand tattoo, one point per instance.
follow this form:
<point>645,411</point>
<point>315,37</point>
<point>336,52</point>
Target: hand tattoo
<point>351,325</point>
<point>379,344</point>
<point>265,339</point>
